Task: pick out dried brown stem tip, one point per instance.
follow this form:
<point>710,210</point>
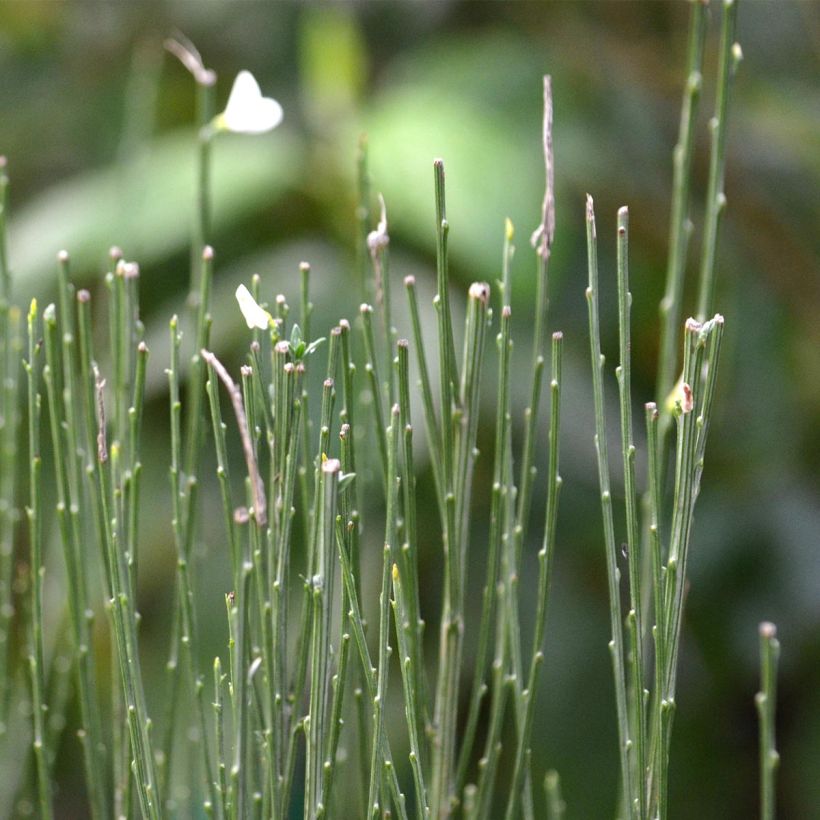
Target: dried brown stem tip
<point>99,386</point>
<point>542,237</point>
<point>259,503</point>
<point>186,52</point>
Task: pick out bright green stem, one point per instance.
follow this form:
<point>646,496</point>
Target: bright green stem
<point>188,634</point>
<point>623,373</point>
<point>616,644</point>
<point>70,531</point>
<point>502,422</point>
<point>405,628</point>
<point>9,421</point>
<point>679,225</point>
<point>766,701</point>
<point>371,368</point>
<point>730,56</point>
<point>362,219</point>
<point>409,550</point>
<point>431,428</point>
<point>125,624</point>
<point>447,348</point>
<point>368,670</point>
<point>656,771</point>
<point>458,474</point>
<point>545,556</point>
<point>322,592</point>
<point>37,574</point>
<point>378,763</point>
<point>219,736</point>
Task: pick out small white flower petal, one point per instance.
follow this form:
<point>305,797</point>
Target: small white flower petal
<point>247,111</point>
<point>255,316</point>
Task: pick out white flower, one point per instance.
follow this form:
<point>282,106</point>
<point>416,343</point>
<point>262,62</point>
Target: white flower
<point>255,315</point>
<point>247,111</point>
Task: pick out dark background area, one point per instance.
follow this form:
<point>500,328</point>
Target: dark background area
<point>97,123</point>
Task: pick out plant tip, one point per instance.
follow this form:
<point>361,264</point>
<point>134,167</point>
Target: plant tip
<point>83,296</point>
<point>62,256</point>
<point>768,630</point>
<point>409,281</point>
<point>480,291</point>
<point>330,465</point>
<point>207,253</point>
<point>509,229</point>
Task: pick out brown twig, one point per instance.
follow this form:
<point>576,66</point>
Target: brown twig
<point>259,503</point>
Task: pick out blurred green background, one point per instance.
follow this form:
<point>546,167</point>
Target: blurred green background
<point>96,122</point>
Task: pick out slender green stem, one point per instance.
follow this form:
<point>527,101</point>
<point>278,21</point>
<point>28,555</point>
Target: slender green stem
<point>219,736</point>
<point>9,422</point>
<point>502,422</point>
<point>432,431</point>
<point>404,628</point>
<point>378,762</point>
<point>37,573</point>
<point>188,635</point>
<point>67,509</point>
<point>542,241</point>
<point>371,368</point>
<point>656,772</point>
<point>766,701</point>
<point>362,219</point>
<point>306,304</point>
<point>616,644</point>
<point>545,556</point>
<point>552,791</point>
<point>409,550</point>
<point>368,670</point>
<point>730,56</point>
<point>623,373</point>
<point>679,224</point>
<point>322,592</point>
<point>125,624</point>
<point>458,468</point>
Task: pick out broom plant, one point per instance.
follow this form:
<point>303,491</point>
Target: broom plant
<point>300,700</point>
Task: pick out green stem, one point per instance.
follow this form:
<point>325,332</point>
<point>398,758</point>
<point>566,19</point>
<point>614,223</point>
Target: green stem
<point>409,551</point>
<point>766,704</point>
<point>37,574</point>
<point>552,791</point>
<point>730,56</point>
<point>405,628</point>
<point>679,225</point>
<point>502,421</point>
<point>616,644</point>
<point>69,525</point>
<point>545,556</point>
<point>623,373</point>
<point>322,592</point>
